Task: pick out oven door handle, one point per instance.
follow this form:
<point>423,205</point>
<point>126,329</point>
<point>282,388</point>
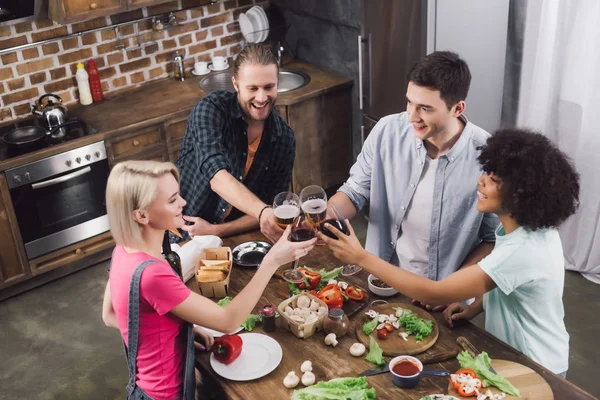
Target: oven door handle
<point>61,179</point>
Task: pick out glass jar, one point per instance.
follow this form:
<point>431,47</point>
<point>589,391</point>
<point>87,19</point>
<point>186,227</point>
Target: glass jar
<point>268,317</point>
<point>336,322</point>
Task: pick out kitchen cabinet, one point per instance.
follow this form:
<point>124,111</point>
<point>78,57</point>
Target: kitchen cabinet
<point>143,144</point>
<point>323,129</point>
<point>174,130</point>
<point>82,252</point>
<point>69,11</point>
<point>13,262</point>
<point>131,4</point>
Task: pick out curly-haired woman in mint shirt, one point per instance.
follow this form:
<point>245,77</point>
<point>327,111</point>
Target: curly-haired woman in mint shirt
<point>532,187</point>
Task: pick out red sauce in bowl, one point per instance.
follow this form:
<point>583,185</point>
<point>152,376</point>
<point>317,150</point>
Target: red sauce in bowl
<point>405,368</point>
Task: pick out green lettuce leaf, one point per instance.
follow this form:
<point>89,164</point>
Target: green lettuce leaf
<point>481,365</point>
<point>224,301</point>
<point>370,326</point>
<point>250,322</point>
<point>375,353</point>
<point>337,389</point>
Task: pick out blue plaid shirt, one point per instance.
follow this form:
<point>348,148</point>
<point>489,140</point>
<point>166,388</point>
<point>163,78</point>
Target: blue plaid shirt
<point>215,139</point>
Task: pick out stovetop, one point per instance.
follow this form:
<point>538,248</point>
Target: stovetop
<point>76,130</point>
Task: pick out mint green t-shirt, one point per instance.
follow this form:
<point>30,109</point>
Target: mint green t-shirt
<point>526,309</point>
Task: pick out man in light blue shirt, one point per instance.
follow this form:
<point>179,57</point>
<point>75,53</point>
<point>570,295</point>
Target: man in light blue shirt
<point>418,171</point>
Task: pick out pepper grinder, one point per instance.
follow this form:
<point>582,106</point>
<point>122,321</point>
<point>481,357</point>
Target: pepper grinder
<point>170,256</point>
<point>178,72</point>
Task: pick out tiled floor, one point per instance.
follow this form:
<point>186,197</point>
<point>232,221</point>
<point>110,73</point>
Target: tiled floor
<point>54,344</point>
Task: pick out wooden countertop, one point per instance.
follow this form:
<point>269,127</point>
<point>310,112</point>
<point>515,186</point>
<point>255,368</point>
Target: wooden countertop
<point>158,101</point>
<point>335,362</point>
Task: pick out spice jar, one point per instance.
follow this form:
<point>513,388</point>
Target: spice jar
<point>336,322</point>
<point>268,317</point>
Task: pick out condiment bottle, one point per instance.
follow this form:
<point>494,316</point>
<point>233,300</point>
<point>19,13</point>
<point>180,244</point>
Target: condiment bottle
<point>336,322</point>
<point>268,317</point>
<point>178,71</point>
<point>83,84</point>
<point>170,256</point>
<point>95,84</point>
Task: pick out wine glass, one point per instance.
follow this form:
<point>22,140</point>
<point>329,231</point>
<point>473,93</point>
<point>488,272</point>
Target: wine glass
<point>286,207</point>
<point>339,221</point>
<point>314,205</point>
<point>302,231</point>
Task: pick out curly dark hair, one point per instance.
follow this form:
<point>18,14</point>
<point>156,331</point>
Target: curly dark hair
<point>444,71</point>
<point>540,186</point>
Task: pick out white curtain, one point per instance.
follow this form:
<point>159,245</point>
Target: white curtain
<point>560,96</point>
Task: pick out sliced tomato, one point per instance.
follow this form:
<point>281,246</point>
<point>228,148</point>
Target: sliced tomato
<point>466,371</point>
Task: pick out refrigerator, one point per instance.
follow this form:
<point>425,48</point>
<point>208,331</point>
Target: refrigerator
<point>395,34</point>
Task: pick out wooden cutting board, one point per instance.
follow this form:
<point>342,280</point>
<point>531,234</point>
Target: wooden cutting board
<point>394,345</point>
<point>530,383</point>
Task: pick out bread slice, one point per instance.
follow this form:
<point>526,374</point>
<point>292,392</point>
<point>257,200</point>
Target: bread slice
<point>224,268</point>
<point>216,263</point>
<point>206,276</point>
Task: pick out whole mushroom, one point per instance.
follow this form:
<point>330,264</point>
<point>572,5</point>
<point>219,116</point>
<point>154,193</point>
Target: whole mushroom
<point>331,339</point>
<point>291,380</point>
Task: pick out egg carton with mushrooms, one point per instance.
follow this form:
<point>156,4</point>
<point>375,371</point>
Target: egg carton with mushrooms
<point>303,315</point>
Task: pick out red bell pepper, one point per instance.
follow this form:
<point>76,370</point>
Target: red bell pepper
<point>355,293</point>
<point>311,279</point>
<point>227,348</point>
<point>332,296</point>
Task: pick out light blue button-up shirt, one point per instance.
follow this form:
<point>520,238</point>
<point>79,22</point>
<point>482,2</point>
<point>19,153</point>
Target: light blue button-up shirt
<point>386,175</point>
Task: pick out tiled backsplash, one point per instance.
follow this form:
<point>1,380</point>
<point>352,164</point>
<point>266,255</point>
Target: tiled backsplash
<point>27,74</point>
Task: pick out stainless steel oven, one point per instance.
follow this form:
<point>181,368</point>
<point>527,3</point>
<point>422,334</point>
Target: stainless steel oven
<point>60,200</point>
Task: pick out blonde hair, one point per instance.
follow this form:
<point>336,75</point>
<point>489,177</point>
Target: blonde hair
<point>254,54</point>
<point>132,185</point>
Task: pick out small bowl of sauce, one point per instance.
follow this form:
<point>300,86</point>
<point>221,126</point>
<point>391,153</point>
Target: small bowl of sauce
<point>406,371</point>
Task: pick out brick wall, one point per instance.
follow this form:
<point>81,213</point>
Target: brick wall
<point>27,74</point>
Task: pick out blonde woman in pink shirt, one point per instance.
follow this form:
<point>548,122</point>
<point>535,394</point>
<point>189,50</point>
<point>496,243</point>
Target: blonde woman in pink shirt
<point>142,201</point>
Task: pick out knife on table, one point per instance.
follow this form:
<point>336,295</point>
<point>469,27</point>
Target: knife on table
<point>469,348</point>
<point>434,358</point>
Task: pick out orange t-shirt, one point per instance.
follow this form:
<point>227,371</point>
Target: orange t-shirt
<point>252,148</point>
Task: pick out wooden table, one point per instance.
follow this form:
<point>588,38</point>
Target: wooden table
<point>329,363</point>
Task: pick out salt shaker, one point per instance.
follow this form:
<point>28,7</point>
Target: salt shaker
<point>178,72</point>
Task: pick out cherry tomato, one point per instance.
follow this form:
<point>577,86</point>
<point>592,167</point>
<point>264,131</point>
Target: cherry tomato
<point>382,333</point>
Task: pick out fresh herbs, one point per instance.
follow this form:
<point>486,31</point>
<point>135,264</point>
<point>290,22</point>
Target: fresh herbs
<point>481,365</point>
<point>370,326</point>
<point>375,353</point>
<point>337,389</point>
<point>414,324</point>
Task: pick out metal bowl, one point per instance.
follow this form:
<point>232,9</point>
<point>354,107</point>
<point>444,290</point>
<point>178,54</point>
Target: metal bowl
<point>250,254</point>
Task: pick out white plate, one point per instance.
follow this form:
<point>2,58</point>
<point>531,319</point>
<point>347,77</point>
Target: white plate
<point>261,354</point>
<point>256,25</point>
<point>265,22</point>
<point>247,28</point>
<point>260,24</point>
<point>200,73</point>
<point>212,68</point>
<point>217,333</point>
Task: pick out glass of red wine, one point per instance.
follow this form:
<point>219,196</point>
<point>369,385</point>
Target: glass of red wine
<point>302,230</point>
<point>338,221</point>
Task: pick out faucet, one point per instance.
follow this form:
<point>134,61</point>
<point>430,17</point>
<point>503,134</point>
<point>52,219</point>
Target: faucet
<point>279,53</point>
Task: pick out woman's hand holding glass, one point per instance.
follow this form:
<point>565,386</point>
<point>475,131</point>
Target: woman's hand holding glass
<point>285,251</point>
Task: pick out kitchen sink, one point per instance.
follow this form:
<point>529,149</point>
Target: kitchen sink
<point>288,81</point>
